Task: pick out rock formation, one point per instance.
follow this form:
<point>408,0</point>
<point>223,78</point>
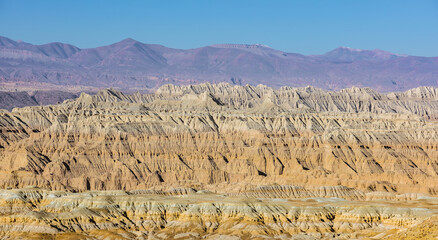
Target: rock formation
<point>221,159</point>
<point>225,138</point>
<point>32,213</point>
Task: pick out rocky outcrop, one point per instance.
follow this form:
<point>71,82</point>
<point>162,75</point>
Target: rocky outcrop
<point>35,213</point>
<point>425,230</point>
<point>227,139</point>
<point>422,101</point>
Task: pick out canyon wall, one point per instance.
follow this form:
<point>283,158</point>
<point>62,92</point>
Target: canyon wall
<point>222,162</point>
<point>225,138</point>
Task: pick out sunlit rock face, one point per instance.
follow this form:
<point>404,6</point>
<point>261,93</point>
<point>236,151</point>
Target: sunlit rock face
<point>32,213</point>
<point>226,139</point>
<point>221,162</point>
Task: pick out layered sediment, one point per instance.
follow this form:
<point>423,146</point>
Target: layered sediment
<point>39,214</point>
<point>241,146</point>
<point>225,138</point>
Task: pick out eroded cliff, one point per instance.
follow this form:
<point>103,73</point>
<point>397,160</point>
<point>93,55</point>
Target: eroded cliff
<point>222,162</point>
<point>225,138</point>
<point>32,213</point>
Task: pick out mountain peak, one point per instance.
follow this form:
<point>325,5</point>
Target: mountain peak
<point>126,41</point>
<point>130,64</point>
<point>7,42</point>
<point>343,48</point>
<point>348,54</point>
<point>129,40</point>
<point>244,46</point>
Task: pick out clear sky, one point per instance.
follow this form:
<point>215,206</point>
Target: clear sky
<point>306,26</point>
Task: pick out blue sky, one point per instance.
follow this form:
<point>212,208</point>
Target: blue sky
<point>308,27</point>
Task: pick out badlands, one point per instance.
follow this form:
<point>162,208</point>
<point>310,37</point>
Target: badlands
<point>219,161</point>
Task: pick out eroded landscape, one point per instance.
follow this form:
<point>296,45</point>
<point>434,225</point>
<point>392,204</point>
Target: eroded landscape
<point>222,161</point>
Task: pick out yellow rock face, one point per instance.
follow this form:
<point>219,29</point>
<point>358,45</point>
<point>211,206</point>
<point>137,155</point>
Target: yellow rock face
<point>36,213</point>
<point>225,139</point>
<point>242,141</point>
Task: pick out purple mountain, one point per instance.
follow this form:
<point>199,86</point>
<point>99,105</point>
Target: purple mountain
<point>131,65</point>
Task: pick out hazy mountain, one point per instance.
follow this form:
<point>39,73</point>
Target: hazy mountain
<point>130,64</point>
<point>346,54</point>
<point>10,100</point>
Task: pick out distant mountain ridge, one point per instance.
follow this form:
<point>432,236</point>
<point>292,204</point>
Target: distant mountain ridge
<point>350,54</point>
<point>10,100</point>
<point>132,65</point>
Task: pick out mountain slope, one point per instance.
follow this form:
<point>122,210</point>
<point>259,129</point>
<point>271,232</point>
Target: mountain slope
<point>130,64</point>
<point>10,100</point>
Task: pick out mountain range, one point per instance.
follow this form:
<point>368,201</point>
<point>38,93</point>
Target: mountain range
<point>132,65</point>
